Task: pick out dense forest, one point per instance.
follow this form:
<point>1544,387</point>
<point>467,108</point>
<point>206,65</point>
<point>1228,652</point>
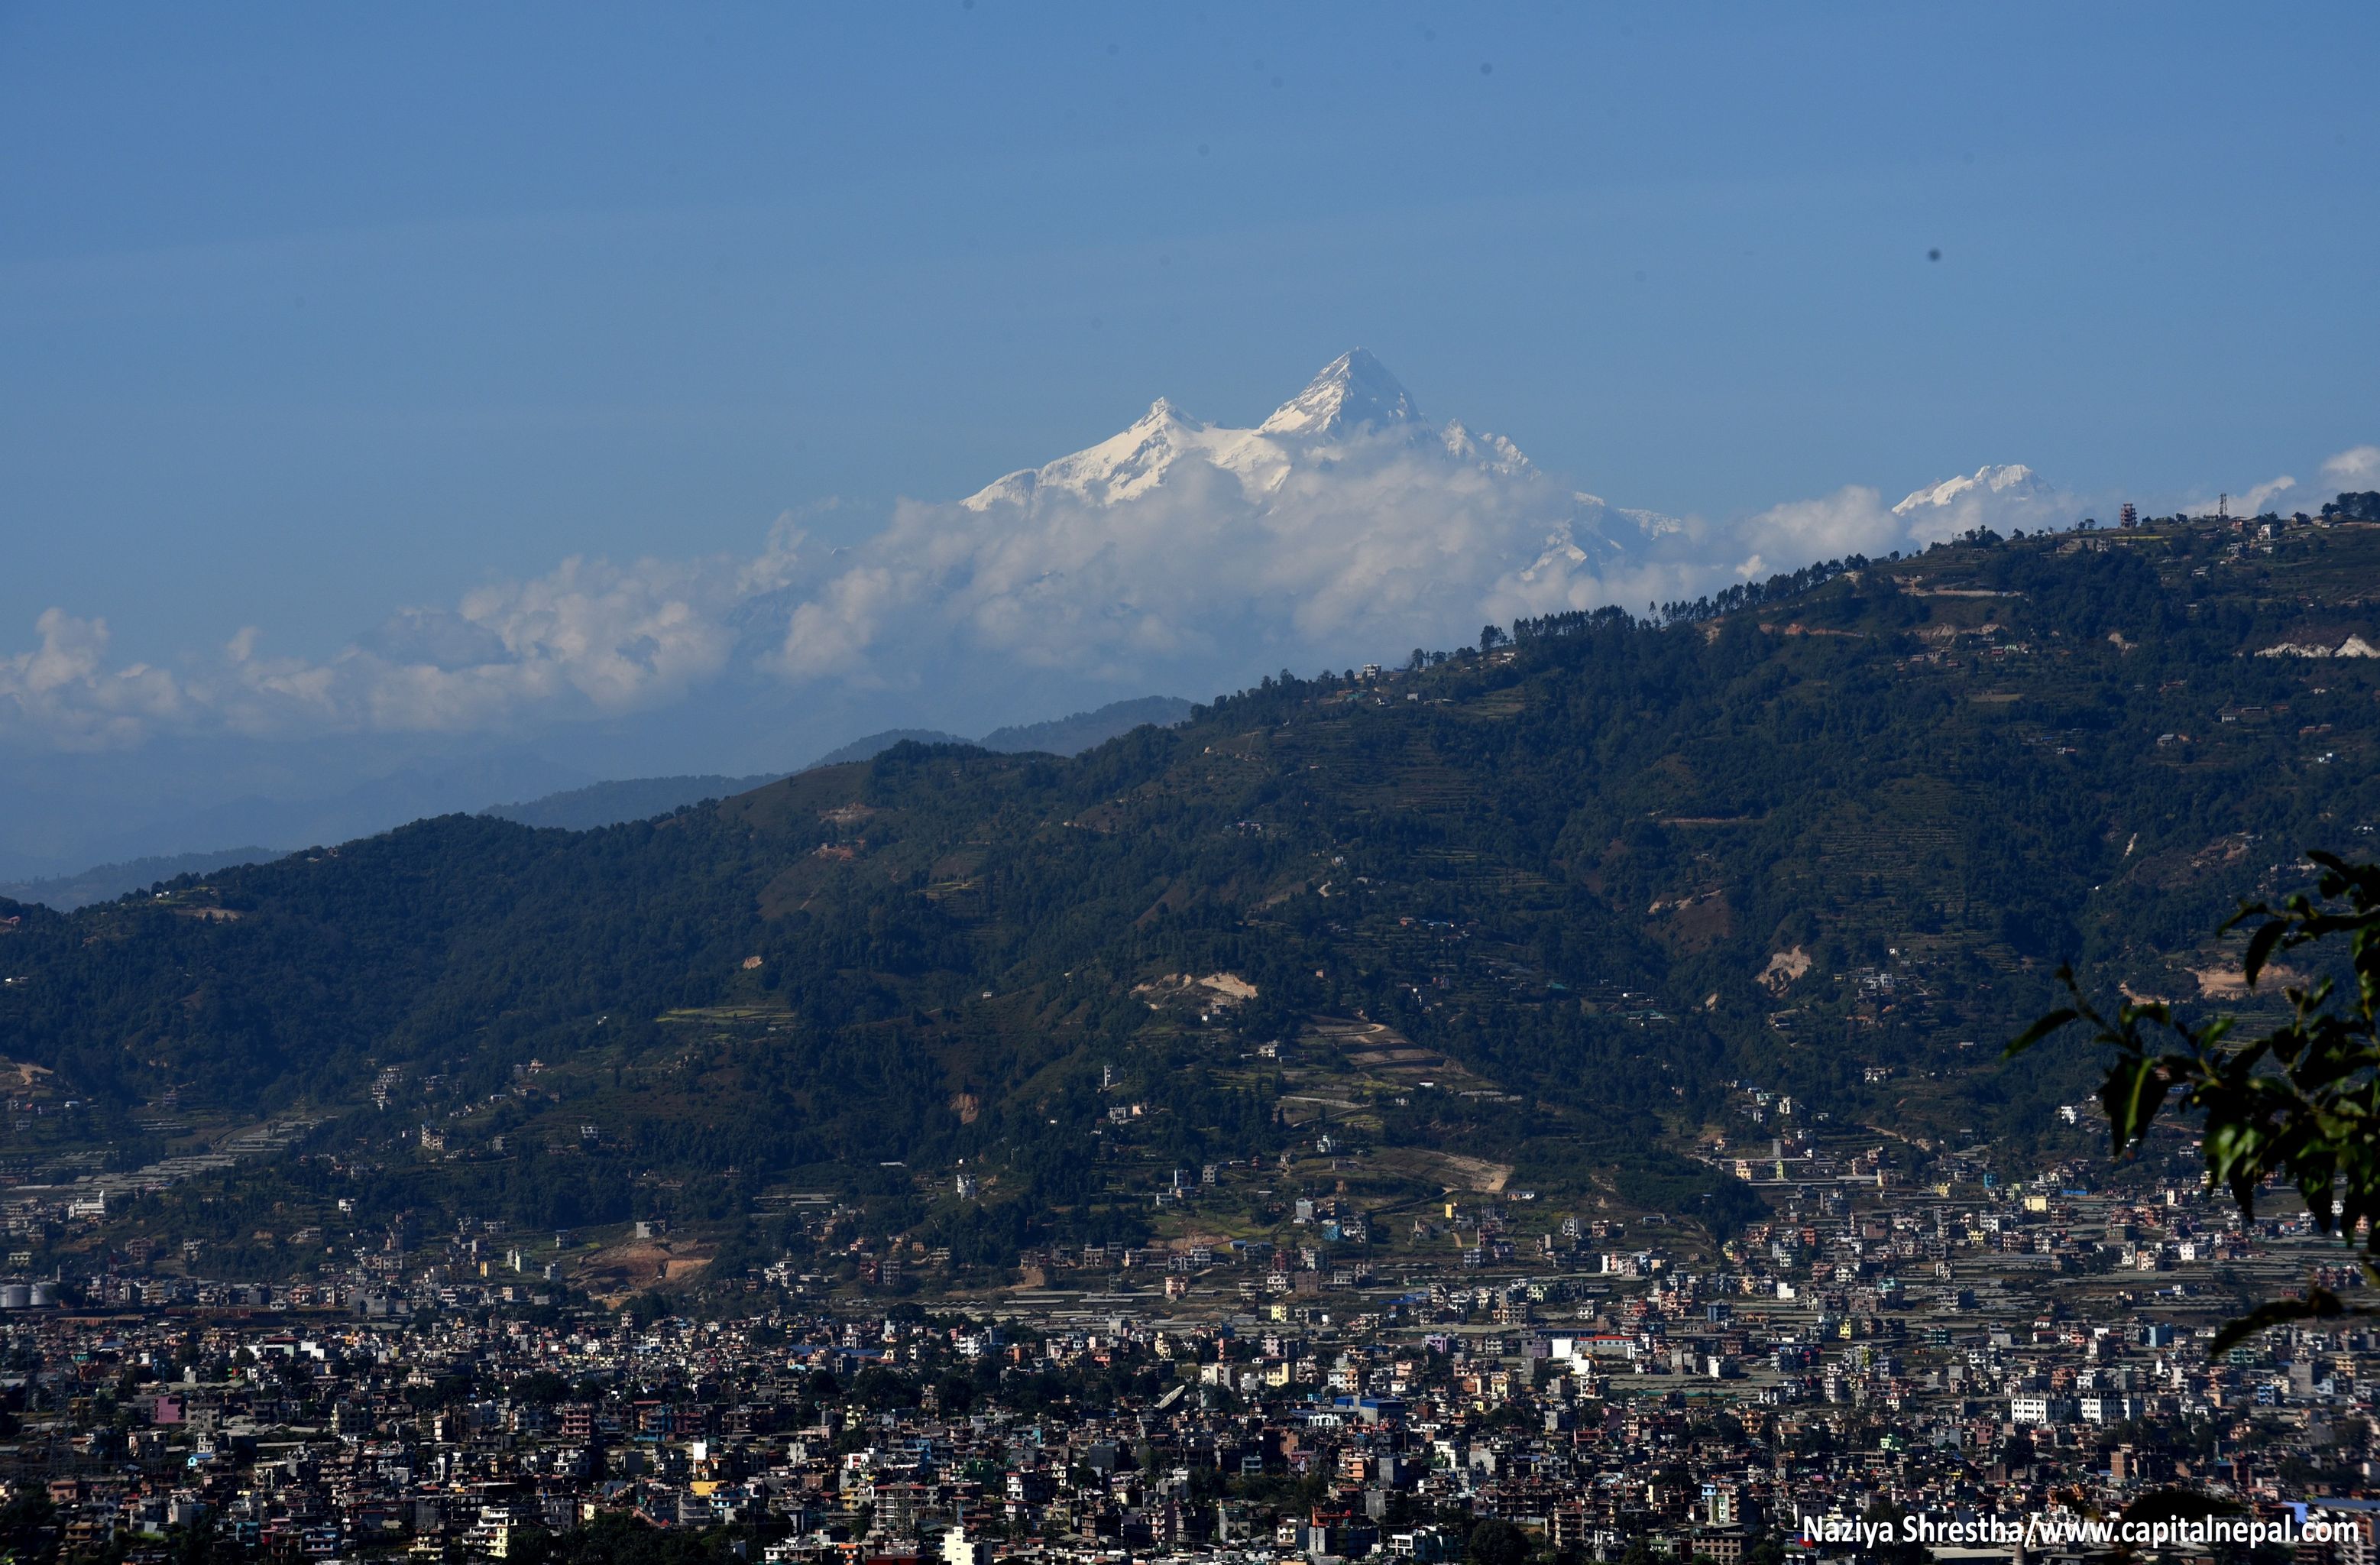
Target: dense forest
<point>1829,834</point>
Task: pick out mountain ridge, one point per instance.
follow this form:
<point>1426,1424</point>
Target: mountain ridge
<point>613,803</point>
<point>1826,837</point>
<point>1353,416</point>
<point>102,881</point>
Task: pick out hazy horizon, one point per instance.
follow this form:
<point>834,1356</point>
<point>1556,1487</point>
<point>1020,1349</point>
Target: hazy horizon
<point>468,391</point>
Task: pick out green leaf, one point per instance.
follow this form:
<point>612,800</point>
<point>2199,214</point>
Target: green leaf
<point>2133,1093</point>
<point>2039,1030</point>
<point>2233,1148</point>
<point>2259,949</point>
<point>2320,1303</point>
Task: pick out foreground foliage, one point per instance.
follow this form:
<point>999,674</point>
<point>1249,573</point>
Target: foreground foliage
<point>2300,1102</point>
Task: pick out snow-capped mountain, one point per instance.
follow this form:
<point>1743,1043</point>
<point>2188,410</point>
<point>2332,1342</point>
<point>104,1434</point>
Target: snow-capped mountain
<point>1354,406</point>
<point>2013,484</point>
<point>1344,522</point>
<point>1353,431</point>
<point>1344,513</point>
<point>2007,497</point>
<point>1127,466</point>
<point>1354,391</point>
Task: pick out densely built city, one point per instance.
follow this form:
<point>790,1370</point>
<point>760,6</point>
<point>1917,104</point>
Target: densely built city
<point>1983,1351</point>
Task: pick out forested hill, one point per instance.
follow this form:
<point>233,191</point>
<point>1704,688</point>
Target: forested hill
<point>1827,837</point>
<point>639,799</point>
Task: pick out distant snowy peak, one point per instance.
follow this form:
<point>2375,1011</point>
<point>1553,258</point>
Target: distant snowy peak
<point>1355,391</point>
<point>1353,408</point>
<point>1492,452</point>
<point>1350,453</point>
<point>1126,466</point>
<point>2014,481</point>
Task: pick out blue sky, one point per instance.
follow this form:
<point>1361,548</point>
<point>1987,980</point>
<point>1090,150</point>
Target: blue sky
<point>311,313</point>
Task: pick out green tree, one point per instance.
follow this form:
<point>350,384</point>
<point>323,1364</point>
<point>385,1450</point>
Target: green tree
<point>2301,1103</point>
<point>1497,1542</point>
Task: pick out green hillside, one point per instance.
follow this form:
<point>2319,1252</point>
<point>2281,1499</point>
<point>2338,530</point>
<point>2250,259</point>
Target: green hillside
<point>1547,907</point>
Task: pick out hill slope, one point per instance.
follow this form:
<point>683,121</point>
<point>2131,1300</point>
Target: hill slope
<point>102,881</point>
<point>1555,903</point>
<point>641,798</point>
<point>632,799</point>
<point>1073,735</point>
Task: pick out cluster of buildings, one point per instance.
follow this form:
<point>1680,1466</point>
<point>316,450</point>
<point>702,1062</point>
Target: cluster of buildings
<point>1953,1352</point>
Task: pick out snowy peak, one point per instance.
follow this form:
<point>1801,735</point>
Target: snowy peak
<point>1492,452</point>
<point>1128,465</point>
<point>1338,421</point>
<point>1355,391</point>
<point>2013,480</point>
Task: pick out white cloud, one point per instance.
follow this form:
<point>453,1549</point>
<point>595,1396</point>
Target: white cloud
<point>834,632</point>
<point>1195,582</point>
<point>1177,556</point>
<point>1853,520</point>
<point>64,690</point>
<point>2004,498</point>
<point>2356,465</point>
<point>2252,502</point>
<point>1390,541</point>
<point>586,638</point>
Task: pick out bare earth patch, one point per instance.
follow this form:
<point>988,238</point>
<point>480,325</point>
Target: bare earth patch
<point>1783,968</point>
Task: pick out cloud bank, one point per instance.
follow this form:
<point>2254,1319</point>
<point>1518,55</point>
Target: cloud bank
<point>2357,465</point>
<point>1177,556</point>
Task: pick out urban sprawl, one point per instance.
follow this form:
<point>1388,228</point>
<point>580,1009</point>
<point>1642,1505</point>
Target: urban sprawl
<point>1979,1367</point>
